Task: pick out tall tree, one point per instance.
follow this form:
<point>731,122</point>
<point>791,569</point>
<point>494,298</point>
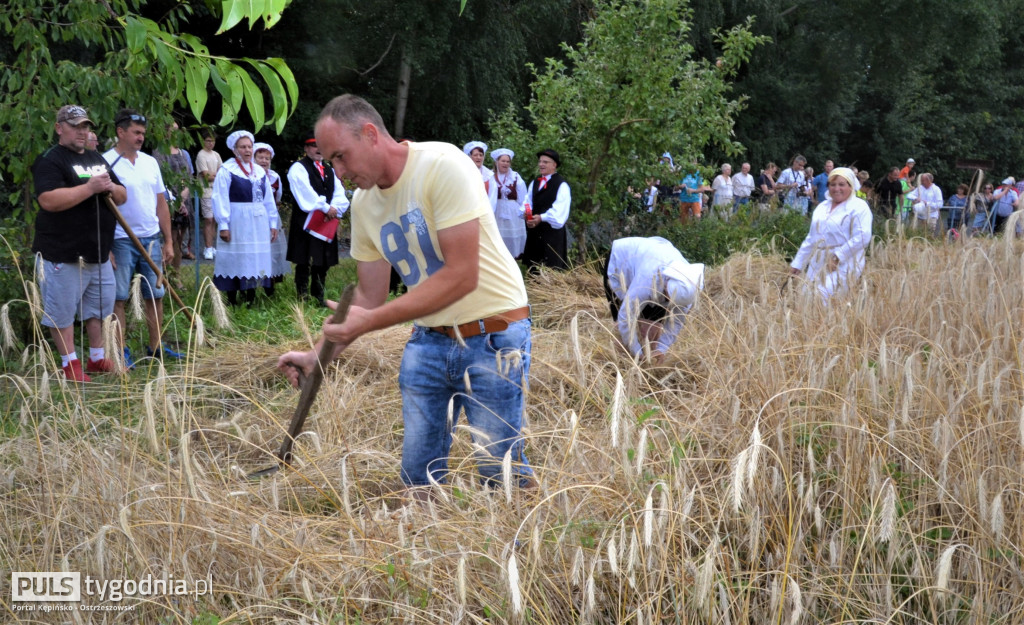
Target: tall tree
<point>108,54</point>
<point>873,82</point>
<point>459,65</point>
<point>629,91</point>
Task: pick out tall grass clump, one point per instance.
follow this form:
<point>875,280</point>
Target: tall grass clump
<point>788,463</point>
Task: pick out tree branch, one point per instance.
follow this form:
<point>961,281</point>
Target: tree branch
<point>109,9</point>
<point>379,61</point>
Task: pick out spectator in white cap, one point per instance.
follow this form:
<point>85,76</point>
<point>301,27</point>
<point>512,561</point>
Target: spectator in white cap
<point>263,154</point>
<point>511,191</point>
<point>650,288</point>
<point>247,221</point>
<point>1006,201</point>
<point>905,172</point>
<point>832,254</point>
<point>476,151</point>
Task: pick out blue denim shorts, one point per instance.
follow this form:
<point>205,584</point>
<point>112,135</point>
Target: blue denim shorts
<point>486,378</point>
<point>130,262</point>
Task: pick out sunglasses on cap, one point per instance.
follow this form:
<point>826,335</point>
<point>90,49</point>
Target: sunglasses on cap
<point>134,117</point>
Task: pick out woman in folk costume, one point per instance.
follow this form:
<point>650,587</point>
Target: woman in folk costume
<point>511,193</point>
<point>263,153</point>
<point>247,221</point>
<point>833,252</point>
<point>476,150</point>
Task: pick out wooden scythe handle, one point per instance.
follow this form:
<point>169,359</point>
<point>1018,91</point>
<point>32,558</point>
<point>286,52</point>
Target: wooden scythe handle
<point>311,386</point>
<point>149,259</point>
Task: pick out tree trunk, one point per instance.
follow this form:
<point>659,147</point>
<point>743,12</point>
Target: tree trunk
<point>404,76</point>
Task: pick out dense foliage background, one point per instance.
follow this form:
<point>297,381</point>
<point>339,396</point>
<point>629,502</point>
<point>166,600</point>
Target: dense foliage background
<point>865,82</point>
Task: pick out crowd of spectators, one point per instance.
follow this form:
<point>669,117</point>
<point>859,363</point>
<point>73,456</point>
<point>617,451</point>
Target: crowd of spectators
<point>914,198</point>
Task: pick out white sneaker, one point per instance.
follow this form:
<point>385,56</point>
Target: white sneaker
<point>209,253</point>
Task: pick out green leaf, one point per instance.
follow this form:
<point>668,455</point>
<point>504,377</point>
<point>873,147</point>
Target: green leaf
<point>135,32</point>
<point>272,12</point>
<point>232,12</point>
<point>229,84</point>
<point>168,63</point>
<point>195,43</point>
<point>253,99</point>
<point>197,75</point>
<point>288,78</point>
<point>277,94</point>
<point>254,10</point>
<point>227,114</point>
<point>231,74</point>
<point>219,82</point>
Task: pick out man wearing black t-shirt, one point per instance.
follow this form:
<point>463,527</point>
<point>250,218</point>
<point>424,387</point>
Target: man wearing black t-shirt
<point>889,192</point>
<point>74,234</point>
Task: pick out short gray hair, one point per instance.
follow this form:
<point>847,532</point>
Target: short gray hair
<point>352,111</point>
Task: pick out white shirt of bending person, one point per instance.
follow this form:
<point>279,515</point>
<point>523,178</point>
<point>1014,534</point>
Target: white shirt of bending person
<point>638,269</point>
<point>843,231</point>
<point>558,214</point>
<point>927,201</point>
<point>307,199</point>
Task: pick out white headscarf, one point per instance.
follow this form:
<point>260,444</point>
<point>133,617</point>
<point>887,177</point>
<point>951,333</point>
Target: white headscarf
<point>256,147</point>
<point>235,136</point>
<point>846,174</point>
<point>502,152</point>
<point>469,147</point>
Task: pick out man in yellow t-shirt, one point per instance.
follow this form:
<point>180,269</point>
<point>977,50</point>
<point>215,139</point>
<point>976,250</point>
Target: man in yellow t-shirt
<point>421,209</point>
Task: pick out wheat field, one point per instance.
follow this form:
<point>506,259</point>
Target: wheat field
<point>789,464</point>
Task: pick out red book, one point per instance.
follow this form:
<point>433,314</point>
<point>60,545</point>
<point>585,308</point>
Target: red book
<point>321,226</point>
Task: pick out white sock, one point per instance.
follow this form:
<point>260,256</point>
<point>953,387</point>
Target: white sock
<point>97,353</point>
<point>66,358</point>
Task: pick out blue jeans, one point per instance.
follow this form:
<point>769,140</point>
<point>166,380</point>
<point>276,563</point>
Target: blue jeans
<point>487,378</point>
<point>130,262</point>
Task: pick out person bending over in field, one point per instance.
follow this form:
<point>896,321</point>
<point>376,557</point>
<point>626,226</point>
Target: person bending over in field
<point>650,287</point>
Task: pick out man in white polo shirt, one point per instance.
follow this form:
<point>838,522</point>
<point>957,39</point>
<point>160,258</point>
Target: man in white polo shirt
<point>146,213</point>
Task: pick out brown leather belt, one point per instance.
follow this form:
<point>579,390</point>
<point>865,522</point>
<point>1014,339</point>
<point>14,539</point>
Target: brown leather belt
<point>494,323</point>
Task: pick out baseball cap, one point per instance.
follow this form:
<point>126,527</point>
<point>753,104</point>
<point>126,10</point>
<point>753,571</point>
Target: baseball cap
<point>910,160</point>
<point>683,281</point>
<point>72,114</point>
<point>1009,180</point>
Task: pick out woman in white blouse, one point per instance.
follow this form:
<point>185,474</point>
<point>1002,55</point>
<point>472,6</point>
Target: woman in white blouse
<point>832,255</point>
<point>511,191</point>
<point>476,151</point>
<point>722,186</point>
<point>247,220</point>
